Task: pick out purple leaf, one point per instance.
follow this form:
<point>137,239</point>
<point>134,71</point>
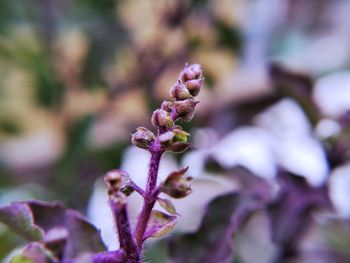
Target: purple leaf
<point>291,213</point>
<point>66,233</point>
<point>33,252</point>
<point>213,242</point>
<point>321,256</point>
<point>47,215</point>
<point>19,218</point>
<point>55,240</point>
<point>83,237</point>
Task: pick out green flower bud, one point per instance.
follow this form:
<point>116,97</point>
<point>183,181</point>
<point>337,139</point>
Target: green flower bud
<point>174,141</point>
<point>143,138</point>
<point>162,119</point>
<point>166,138</point>
<point>180,135</point>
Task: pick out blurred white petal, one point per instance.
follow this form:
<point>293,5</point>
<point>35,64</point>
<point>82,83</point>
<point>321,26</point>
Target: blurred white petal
<point>100,215</point>
<point>294,146</point>
<point>192,207</point>
<point>339,187</point>
<point>135,161</point>
<point>332,93</point>
<point>284,119</point>
<point>308,54</point>
<point>32,150</point>
<point>303,156</point>
<point>195,160</point>
<point>249,147</point>
<point>327,128</point>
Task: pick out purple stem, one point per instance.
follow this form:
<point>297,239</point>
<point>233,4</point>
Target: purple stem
<point>109,257</point>
<point>150,197</point>
<point>126,240</point>
<point>137,188</point>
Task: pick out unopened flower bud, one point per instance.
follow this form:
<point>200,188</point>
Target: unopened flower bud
<point>197,70</point>
<point>186,74</point>
<point>117,182</point>
<point>162,119</point>
<point>194,86</point>
<point>191,72</point>
<point>180,92</point>
<point>167,106</point>
<point>177,185</point>
<point>143,138</point>
<point>113,180</point>
<point>185,109</point>
<point>180,135</point>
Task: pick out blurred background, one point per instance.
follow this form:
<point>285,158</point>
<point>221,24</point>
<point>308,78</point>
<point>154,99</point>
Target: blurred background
<point>77,77</point>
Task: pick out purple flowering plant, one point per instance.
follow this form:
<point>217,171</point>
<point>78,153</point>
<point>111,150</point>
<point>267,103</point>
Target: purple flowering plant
<point>58,234</point>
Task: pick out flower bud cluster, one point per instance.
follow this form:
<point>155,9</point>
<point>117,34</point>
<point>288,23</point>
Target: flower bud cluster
<point>170,136</point>
<point>183,92</point>
<point>191,78</point>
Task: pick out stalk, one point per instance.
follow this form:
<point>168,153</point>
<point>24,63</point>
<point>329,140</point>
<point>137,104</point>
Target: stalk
<point>149,198</point>
<point>170,137</point>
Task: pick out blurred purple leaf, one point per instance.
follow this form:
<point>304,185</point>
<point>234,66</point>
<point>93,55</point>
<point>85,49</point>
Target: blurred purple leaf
<point>33,253</point>
<point>83,237</point>
<point>66,233</point>
<point>322,257</point>
<point>19,218</point>
<point>297,85</point>
<point>213,242</point>
<point>55,240</point>
<point>47,215</point>
<point>291,212</point>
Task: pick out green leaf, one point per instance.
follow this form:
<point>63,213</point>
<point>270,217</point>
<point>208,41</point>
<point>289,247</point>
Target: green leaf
<point>33,253</point>
<point>19,218</point>
<point>167,205</point>
<point>21,259</point>
<point>159,224</point>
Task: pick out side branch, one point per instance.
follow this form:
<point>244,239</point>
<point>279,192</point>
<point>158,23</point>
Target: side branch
<point>120,214</point>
